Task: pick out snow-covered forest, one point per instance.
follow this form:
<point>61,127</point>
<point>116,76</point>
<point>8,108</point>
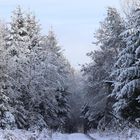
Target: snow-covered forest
<point>42,97</point>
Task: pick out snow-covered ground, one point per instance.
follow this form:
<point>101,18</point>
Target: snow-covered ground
<point>75,136</point>
<point>97,136</point>
<point>47,135</point>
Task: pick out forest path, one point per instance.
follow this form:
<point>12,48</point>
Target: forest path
<point>74,136</point>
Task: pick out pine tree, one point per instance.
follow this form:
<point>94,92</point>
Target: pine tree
<point>63,71</point>
<point>16,60</point>
<point>110,42</point>
<point>33,40</point>
<point>34,76</point>
<point>6,84</point>
<point>33,31</point>
<point>126,89</point>
<point>108,35</point>
<point>52,74</point>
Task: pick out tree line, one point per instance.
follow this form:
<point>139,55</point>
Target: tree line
<point>35,76</point>
<point>113,75</point>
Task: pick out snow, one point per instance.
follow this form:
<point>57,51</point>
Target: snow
<point>77,136</point>
<point>17,134</point>
<point>130,134</point>
<point>74,136</point>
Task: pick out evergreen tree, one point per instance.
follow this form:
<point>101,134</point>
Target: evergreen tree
<point>17,60</point>
<point>50,72</point>
<point>35,76</point>
<point>6,85</point>
<point>97,72</point>
<point>59,69</point>
<point>126,89</point>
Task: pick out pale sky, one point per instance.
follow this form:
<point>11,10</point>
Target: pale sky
<point>74,22</point>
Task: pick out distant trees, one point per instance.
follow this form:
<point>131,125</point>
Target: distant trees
<point>76,101</point>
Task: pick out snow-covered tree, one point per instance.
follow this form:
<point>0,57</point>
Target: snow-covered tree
<point>108,35</point>
<point>57,76</point>
<point>16,61</point>
<point>34,76</point>
<point>50,72</point>
<point>98,70</point>
<point>33,31</point>
<point>6,84</point>
<point>126,88</point>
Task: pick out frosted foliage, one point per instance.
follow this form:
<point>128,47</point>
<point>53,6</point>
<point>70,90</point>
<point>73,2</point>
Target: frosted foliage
<point>97,72</point>
<point>129,73</point>
<point>8,120</point>
<point>35,70</point>
<point>33,31</point>
<point>118,106</point>
<point>50,76</point>
<point>125,60</point>
<point>127,65</point>
<point>118,86</point>
<point>109,32</point>
<point>116,72</point>
<point>128,89</point>
<point>34,76</point>
<point>37,123</point>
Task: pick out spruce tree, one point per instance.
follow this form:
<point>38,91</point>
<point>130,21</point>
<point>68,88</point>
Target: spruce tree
<point>16,61</point>
<point>126,88</point>
<point>108,38</point>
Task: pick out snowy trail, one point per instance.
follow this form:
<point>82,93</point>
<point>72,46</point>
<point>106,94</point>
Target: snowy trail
<point>95,136</point>
<point>78,137</point>
<point>47,135</point>
<point>75,136</point>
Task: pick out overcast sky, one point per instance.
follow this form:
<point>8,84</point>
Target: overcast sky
<point>74,21</point>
